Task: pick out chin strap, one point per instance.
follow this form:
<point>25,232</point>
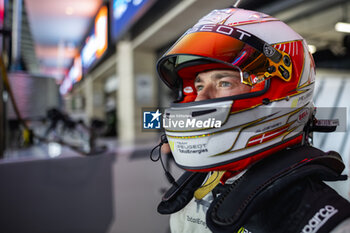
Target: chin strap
<point>158,157</point>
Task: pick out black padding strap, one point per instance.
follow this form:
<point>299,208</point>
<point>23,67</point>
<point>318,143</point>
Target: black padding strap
<point>177,197</point>
<point>306,205</point>
<point>265,180</point>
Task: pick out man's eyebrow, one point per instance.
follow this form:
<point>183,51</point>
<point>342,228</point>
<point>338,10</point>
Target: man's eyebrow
<point>219,76</point>
<point>224,74</point>
<point>197,79</point>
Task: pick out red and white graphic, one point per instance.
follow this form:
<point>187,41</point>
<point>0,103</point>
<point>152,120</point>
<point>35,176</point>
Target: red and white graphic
<point>261,138</point>
<point>188,89</point>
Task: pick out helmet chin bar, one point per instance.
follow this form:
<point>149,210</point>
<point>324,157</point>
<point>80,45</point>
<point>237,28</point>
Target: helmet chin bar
<point>242,137</point>
<point>244,163</point>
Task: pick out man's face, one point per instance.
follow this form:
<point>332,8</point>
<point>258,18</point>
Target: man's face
<point>219,83</point>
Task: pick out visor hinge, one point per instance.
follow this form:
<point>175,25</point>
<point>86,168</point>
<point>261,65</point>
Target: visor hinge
<point>271,69</point>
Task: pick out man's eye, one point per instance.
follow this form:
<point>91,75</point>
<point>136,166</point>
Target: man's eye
<point>199,88</point>
<point>225,84</point>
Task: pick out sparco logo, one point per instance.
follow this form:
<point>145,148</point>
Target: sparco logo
<point>317,221</point>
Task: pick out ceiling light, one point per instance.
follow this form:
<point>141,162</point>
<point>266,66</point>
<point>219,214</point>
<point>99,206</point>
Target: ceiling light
<point>342,27</point>
<point>69,10</point>
<point>312,48</point>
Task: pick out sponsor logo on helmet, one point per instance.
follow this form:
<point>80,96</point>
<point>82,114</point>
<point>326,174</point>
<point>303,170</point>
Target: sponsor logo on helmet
<point>187,148</point>
<point>222,29</point>
<point>303,116</point>
<point>319,219</point>
<point>304,98</point>
<point>269,51</point>
<point>269,127</point>
<point>188,89</point>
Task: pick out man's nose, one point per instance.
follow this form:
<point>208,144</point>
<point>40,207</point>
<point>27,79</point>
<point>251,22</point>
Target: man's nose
<point>204,94</point>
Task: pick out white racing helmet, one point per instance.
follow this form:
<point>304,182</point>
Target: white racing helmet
<point>230,133</point>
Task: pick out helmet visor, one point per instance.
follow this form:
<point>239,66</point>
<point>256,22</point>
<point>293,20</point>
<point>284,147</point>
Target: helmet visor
<point>197,51</point>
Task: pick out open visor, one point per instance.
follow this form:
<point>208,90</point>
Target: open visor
<point>197,51</point>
